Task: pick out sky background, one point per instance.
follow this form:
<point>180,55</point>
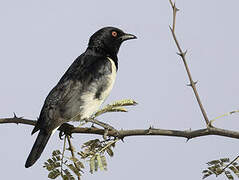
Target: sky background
<point>40,39</point>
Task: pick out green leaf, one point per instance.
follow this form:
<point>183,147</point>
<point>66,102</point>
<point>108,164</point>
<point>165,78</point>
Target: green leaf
<point>228,175</point>
<point>116,106</point>
<point>110,152</point>
<point>237,167</point>
<point>56,153</point>
<point>96,164</point>
<point>104,163</point>
<point>213,162</point>
<point>73,169</point>
<point>225,160</point>
<point>206,175</point>
<point>77,162</point>
<point>110,109</point>
<point>205,171</point>
<point>124,102</point>
<point>91,142</point>
<point>99,162</point>
<point>92,164</point>
<point>68,175</point>
<point>234,170</point>
<point>54,174</point>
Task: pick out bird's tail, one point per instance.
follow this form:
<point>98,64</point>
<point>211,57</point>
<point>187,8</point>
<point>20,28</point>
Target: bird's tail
<point>37,148</point>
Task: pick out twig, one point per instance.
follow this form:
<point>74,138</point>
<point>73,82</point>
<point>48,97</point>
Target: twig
<point>63,152</point>
<point>182,55</point>
<point>71,148</point>
<point>17,120</point>
<point>142,132</point>
<point>223,115</point>
<point>102,124</point>
<point>108,145</point>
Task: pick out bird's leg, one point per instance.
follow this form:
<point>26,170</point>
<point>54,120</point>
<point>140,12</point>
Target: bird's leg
<point>65,129</point>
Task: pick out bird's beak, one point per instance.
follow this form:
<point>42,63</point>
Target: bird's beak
<point>127,37</point>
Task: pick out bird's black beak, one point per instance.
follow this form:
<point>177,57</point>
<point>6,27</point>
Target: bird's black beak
<point>127,37</point>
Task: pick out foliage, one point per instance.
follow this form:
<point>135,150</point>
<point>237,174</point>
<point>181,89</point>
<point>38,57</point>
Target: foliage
<point>222,166</point>
<point>55,165</point>
<point>117,106</point>
<point>93,151</point>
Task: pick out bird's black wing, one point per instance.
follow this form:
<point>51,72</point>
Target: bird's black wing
<point>86,69</point>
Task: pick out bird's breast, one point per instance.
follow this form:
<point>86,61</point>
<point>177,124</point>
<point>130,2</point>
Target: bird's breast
<point>97,92</point>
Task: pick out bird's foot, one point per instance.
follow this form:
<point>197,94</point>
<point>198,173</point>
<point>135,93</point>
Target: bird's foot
<point>65,129</point>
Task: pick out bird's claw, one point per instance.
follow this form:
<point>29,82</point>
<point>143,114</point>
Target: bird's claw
<point>65,129</point>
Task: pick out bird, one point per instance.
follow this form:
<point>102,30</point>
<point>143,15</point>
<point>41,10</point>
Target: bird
<point>82,89</point>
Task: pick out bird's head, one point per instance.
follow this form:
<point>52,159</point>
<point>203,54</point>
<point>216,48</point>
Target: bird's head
<point>109,39</point>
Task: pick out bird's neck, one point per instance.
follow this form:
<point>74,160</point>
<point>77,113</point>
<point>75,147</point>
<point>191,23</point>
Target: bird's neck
<point>99,51</point>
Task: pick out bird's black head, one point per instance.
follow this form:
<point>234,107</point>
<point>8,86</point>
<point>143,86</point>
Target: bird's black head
<point>108,40</point>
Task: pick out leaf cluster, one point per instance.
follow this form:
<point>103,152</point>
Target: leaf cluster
<point>117,106</point>
<point>94,152</point>
<point>55,166</point>
<point>222,166</point>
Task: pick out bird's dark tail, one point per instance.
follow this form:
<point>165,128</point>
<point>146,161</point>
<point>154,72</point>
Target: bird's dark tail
<point>37,148</point>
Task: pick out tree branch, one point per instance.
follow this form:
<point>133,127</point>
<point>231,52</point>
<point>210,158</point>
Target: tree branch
<point>182,55</point>
<point>188,134</point>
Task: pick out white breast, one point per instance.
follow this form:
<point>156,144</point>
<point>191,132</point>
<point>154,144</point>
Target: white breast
<point>92,104</point>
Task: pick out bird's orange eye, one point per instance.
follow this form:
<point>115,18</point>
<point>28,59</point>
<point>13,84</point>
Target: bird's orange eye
<point>114,33</point>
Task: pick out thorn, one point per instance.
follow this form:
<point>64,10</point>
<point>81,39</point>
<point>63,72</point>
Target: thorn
<point>195,82</point>
<point>171,28</point>
<point>149,130</point>
<point>183,54</point>
<point>151,127</point>
<point>14,115</point>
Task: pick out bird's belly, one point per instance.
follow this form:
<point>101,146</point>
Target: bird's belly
<point>91,105</point>
<point>92,101</point>
<point>87,102</point>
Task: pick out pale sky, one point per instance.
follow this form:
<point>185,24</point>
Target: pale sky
<point>40,39</point>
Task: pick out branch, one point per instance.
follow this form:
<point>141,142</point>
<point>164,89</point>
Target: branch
<point>188,134</point>
<point>71,148</point>
<point>17,120</point>
<point>182,55</point>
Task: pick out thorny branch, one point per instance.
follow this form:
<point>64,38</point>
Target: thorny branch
<point>183,56</point>
<point>188,134</point>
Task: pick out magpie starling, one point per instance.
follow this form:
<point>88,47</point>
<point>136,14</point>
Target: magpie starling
<point>82,89</point>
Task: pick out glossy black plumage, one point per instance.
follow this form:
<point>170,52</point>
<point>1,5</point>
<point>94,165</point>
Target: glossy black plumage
<point>82,89</point>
